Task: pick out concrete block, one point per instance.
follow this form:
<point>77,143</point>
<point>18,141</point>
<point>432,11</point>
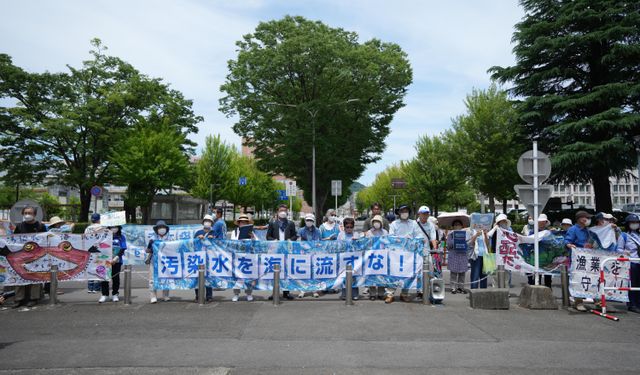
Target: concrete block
<point>537,297</point>
<point>489,299</point>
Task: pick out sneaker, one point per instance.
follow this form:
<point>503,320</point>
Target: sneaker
<point>287,295</point>
<point>102,299</point>
<point>355,298</point>
<point>115,298</point>
<point>388,299</point>
<point>454,291</point>
<point>153,300</point>
<point>316,295</point>
<point>249,298</point>
<point>372,298</point>
<point>91,291</point>
<point>166,299</point>
<point>32,303</point>
<point>301,295</point>
<point>580,307</point>
<point>235,298</point>
<point>463,291</point>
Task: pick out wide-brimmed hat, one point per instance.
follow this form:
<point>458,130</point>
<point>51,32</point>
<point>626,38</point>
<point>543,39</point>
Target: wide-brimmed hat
<point>543,217</point>
<point>243,217</point>
<point>581,214</point>
<point>208,217</point>
<point>377,218</point>
<point>56,220</point>
<point>567,221</point>
<point>503,217</point>
<point>160,224</point>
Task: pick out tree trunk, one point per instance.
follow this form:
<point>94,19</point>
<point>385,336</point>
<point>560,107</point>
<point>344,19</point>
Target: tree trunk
<point>146,213</point>
<point>130,211</point>
<point>504,206</point>
<point>17,192</point>
<point>321,199</point>
<point>85,204</point>
<point>492,204</point>
<point>602,192</point>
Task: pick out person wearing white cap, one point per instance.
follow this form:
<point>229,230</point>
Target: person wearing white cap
<point>309,232</point>
<point>566,224</point>
<point>543,223</point>
<point>243,221</point>
<point>205,233</point>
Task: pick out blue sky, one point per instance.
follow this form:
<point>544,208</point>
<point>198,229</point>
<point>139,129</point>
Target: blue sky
<point>450,44</point>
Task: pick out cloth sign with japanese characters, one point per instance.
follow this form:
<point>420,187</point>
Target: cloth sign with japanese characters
<point>305,266</point>
<point>584,279</point>
<point>517,254</point>
<point>27,258</point>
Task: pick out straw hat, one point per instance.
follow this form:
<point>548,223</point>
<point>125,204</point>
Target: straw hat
<point>56,220</point>
<point>243,217</point>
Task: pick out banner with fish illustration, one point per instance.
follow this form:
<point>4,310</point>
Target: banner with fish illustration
<point>305,266</point>
<point>27,258</point>
<point>518,256</point>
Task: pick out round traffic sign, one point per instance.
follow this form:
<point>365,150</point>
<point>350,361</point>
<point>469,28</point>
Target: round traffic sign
<point>96,191</point>
<point>525,167</point>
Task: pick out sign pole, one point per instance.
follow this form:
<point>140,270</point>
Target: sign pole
<point>336,204</point>
<point>536,245</point>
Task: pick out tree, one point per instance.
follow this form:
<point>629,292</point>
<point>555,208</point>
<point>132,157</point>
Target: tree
<point>434,177</point>
<point>213,169</point>
<point>149,160</point>
<point>381,190</point>
<point>72,121</point>
<point>577,74</point>
<point>297,83</point>
<point>488,142</point>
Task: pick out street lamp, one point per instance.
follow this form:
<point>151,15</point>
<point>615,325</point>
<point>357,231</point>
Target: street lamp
<point>313,115</point>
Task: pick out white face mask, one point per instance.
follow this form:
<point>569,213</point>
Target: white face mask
<point>587,223</point>
<point>404,215</point>
<point>530,222</point>
<point>332,218</point>
<point>207,224</point>
<point>28,217</point>
<point>162,231</point>
<point>309,223</point>
<point>377,225</point>
<point>114,230</point>
<point>282,214</point>
<point>504,226</point>
<point>634,226</point>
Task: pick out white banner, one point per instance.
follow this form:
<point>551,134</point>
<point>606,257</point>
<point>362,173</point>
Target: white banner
<point>585,275</point>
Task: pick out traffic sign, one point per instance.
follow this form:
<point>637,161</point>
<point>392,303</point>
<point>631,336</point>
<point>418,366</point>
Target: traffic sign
<point>282,195</point>
<point>96,191</point>
<point>336,188</point>
<point>242,181</point>
<point>525,196</point>
<point>398,183</point>
<point>292,189</point>
<point>525,167</point>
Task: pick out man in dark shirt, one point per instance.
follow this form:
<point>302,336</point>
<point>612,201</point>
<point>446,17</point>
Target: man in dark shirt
<point>282,229</point>
<point>28,294</point>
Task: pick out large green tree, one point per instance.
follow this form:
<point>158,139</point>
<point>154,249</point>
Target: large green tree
<point>577,74</point>
<point>213,169</point>
<point>296,83</point>
<point>72,120</point>
<point>487,143</point>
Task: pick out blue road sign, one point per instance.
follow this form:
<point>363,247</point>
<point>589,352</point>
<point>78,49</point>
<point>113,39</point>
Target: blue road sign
<point>282,194</point>
<point>96,191</point>
<point>242,181</point>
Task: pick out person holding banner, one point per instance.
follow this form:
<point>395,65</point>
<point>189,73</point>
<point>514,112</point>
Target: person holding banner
<point>330,230</point>
<point>28,294</point>
<point>119,244</point>
<point>402,227</point>
<point>160,233</point>
<point>93,286</point>
<point>348,234</point>
<point>282,229</point>
<point>543,223</point>
<point>243,231</point>
<point>566,224</point>
<point>206,233</point>
<point>458,244</point>
<point>578,236</point>
<point>377,230</point>
<point>632,244</point>
<point>309,232</point>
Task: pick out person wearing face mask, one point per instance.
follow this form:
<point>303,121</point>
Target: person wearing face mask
<point>543,225</point>
<point>282,229</point>
<point>206,233</point>
<point>631,247</point>
<point>376,210</point>
<point>377,230</point>
<point>329,230</point>
<point>28,294</point>
<point>529,227</point>
<point>349,235</point>
<point>160,233</point>
<point>309,233</point>
<point>219,226</point>
<point>93,286</point>
<point>578,236</point>
<point>243,221</point>
<point>429,234</point>
<point>402,227</point>
<point>119,245</point>
<point>566,224</point>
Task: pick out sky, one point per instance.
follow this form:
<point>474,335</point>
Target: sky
<point>187,43</point>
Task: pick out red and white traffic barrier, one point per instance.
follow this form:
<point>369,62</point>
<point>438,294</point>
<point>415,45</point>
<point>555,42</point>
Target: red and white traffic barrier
<point>603,299</point>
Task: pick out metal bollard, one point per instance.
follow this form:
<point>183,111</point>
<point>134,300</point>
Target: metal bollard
<point>127,284</point>
<point>53,289</point>
<point>501,276</point>
<point>276,284</point>
<point>349,286</point>
<point>564,280</point>
<point>426,280</point>
<point>202,290</point>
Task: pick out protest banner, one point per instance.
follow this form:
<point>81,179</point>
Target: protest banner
<point>27,258</point>
<point>585,275</point>
<point>307,266</point>
<point>481,221</point>
<point>518,256</point>
<point>112,219</point>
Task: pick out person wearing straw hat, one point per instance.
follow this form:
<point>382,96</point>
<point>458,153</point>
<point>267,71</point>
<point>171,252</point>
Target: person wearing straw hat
<point>160,233</point>
<point>243,231</point>
<point>56,225</point>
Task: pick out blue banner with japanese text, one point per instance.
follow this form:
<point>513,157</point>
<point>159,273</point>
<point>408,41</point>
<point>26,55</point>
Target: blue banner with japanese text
<point>306,266</point>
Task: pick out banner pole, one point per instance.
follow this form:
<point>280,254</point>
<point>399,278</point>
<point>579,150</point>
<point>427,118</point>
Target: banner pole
<point>201,286</point>
<point>564,280</point>
<point>127,284</point>
<point>426,280</point>
<point>276,284</point>
<point>536,213</point>
<point>53,289</point>
<point>349,285</point>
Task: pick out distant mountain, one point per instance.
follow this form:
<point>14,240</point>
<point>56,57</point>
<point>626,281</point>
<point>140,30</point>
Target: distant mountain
<point>356,187</point>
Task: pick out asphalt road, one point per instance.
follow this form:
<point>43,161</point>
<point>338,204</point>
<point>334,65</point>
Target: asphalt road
<point>314,336</point>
